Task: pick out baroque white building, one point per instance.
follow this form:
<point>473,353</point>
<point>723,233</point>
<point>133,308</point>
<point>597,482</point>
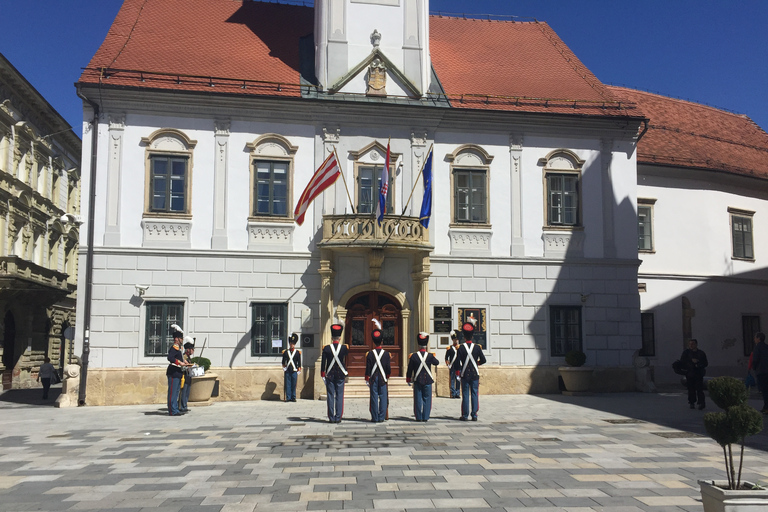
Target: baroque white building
<point>211,119</point>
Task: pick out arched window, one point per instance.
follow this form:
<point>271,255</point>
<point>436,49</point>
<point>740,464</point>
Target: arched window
<point>470,165</point>
<point>562,176</point>
<point>169,173</point>
<point>271,177</point>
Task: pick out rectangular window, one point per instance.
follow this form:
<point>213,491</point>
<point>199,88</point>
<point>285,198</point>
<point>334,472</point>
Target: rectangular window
<point>644,228</point>
<point>741,229</point>
<point>269,330</point>
<point>648,335</point>
<point>750,325</point>
<point>470,200</point>
<point>368,185</point>
<point>160,317</point>
<point>562,199</point>
<point>565,329</point>
<point>270,184</point>
<point>168,183</point>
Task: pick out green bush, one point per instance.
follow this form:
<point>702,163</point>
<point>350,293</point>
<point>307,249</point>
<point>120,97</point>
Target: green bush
<point>576,358</point>
<point>727,392</point>
<point>202,361</point>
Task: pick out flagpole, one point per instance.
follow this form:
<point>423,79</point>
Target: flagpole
<point>417,179</point>
<point>351,203</point>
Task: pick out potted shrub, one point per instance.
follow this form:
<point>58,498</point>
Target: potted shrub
<point>575,375</point>
<point>736,422</point>
<point>202,387</point>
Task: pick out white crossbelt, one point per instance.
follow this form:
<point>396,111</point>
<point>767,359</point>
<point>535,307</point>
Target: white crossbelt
<point>423,365</point>
<point>378,356</point>
<point>290,360</point>
<point>336,359</point>
<point>454,353</point>
<point>469,358</point>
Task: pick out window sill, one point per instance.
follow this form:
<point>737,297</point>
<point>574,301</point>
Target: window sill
<point>469,225</point>
<point>646,251</point>
<point>167,215</point>
<point>269,219</point>
<point>750,260</point>
<point>562,228</point>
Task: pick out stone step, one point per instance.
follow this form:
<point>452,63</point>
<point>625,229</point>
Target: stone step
<point>356,387</point>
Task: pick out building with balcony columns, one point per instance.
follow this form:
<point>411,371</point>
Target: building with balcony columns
<point>39,225</point>
<point>211,117</point>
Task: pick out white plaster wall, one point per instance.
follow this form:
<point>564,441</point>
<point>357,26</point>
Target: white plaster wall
<point>363,19</point>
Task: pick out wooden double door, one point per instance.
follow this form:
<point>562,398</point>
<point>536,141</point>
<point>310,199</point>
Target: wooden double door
<point>361,310</point>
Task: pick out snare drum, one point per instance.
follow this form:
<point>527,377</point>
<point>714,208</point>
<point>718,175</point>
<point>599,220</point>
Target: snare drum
<point>196,371</point>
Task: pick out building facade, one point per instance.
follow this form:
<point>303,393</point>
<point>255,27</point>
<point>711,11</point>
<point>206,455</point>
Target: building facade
<point>204,149</point>
<point>39,230</point>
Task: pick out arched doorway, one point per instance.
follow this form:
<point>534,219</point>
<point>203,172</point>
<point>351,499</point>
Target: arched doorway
<point>9,341</point>
<point>361,310</point>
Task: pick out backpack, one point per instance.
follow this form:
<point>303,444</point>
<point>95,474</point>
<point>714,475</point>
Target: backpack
<point>677,367</point>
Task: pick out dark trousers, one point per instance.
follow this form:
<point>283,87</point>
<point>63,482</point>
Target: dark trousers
<point>174,383</point>
<point>695,388</point>
<point>422,401</point>
<point>469,393</point>
<point>184,395</point>
<point>455,386</point>
<point>379,398</point>
<point>335,399</point>
<point>46,387</point>
<point>762,385</point>
<point>290,380</point>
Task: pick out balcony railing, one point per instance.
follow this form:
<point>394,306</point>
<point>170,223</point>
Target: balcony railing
<point>364,231</point>
<point>19,275</point>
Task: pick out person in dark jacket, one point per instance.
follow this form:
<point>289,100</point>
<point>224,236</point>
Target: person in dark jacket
<point>291,368</point>
<point>421,376</point>
<point>378,367</point>
<point>470,356</point>
<point>694,361</point>
<point>450,357</point>
<point>333,371</point>
<point>174,371</point>
<point>760,365</point>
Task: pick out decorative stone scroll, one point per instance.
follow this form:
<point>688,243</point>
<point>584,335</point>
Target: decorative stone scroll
<point>563,243</point>
<point>470,242</point>
<point>166,232</point>
<point>264,236</point>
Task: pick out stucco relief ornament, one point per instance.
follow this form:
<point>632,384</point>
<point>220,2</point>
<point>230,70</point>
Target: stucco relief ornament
<point>375,38</point>
<point>377,79</point>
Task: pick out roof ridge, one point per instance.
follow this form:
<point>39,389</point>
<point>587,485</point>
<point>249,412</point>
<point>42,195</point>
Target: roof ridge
<point>708,137</point>
<point>691,102</point>
<point>501,18</point>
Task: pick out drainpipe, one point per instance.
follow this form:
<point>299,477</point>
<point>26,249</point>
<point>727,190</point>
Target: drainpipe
<point>89,251</point>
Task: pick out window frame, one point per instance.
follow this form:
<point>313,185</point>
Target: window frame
<point>169,177</point>
<point>377,167</point>
<point>649,204</point>
<point>568,345</point>
<point>746,215</point>
<point>255,181</point>
<point>165,329</point>
<point>169,143</point>
<point>271,147</point>
<point>644,330</point>
<point>283,334</point>
<point>748,340</point>
<point>470,157</point>
<point>553,167</point>
<point>471,171</point>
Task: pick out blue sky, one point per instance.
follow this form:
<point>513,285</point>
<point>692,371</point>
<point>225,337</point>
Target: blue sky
<point>711,52</point>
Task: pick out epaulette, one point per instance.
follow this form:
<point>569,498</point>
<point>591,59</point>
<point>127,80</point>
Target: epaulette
<point>176,346</point>
<point>284,351</point>
<point>479,345</point>
<point>433,355</point>
<point>411,355</point>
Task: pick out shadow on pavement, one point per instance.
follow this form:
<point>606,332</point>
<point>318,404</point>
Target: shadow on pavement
<point>32,396</point>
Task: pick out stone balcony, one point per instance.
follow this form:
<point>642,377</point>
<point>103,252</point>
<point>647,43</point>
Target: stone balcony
<point>363,231</point>
<point>26,280</point>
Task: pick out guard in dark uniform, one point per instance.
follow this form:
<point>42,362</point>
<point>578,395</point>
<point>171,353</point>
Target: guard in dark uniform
<point>333,370</point>
<point>469,358</point>
<point>291,367</point>
<point>450,356</point>
<point>420,374</point>
<point>174,371</point>
<point>186,383</point>
<point>377,372</point>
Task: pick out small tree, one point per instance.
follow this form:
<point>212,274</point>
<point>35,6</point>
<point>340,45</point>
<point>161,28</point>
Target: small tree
<point>575,358</point>
<point>202,361</point>
<point>732,426</point>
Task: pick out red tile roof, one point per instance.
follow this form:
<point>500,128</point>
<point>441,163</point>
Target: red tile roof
<point>686,134</point>
<point>250,47</point>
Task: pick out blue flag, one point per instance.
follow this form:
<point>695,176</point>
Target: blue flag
<point>426,203</point>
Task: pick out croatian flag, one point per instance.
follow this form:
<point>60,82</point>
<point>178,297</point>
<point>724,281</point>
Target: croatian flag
<point>381,208</point>
<point>426,203</point>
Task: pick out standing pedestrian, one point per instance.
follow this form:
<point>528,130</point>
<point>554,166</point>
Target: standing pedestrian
<point>45,374</point>
<point>186,383</point>
<point>420,374</point>
<point>694,361</point>
<point>760,365</point>
<point>450,356</point>
<point>291,367</point>
<point>333,370</point>
<point>174,370</point>
<point>377,371</point>
<point>469,358</point>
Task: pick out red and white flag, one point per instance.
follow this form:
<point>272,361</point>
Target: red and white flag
<point>324,177</point>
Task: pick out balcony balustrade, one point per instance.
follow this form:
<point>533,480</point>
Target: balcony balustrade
<point>395,232</point>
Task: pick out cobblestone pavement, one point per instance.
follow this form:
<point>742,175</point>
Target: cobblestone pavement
<point>613,452</point>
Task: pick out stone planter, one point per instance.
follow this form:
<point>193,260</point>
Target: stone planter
<point>576,378</point>
<point>717,499</point>
<point>202,388</point>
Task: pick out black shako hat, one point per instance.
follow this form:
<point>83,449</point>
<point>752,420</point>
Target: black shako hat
<point>468,329</point>
<point>189,345</point>
<point>294,338</point>
<point>376,336</point>
<point>336,330</point>
<point>423,339</point>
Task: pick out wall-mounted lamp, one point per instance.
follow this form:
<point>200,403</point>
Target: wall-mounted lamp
<point>141,289</point>
<point>584,297</point>
<point>71,217</point>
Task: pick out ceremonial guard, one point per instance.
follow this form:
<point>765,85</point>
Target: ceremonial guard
<point>420,374</point>
<point>450,356</point>
<point>291,367</point>
<point>174,371</point>
<point>186,382</point>
<point>377,371</point>
<point>470,356</point>
<point>333,371</point>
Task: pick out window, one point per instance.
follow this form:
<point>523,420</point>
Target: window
<point>470,200</point>
<point>562,199</point>
<point>648,335</point>
<point>741,234</point>
<point>168,183</point>
<point>565,329</point>
<point>644,225</point>
<point>269,326</point>
<point>270,190</point>
<point>750,324</point>
<point>368,185</point>
<point>160,317</point>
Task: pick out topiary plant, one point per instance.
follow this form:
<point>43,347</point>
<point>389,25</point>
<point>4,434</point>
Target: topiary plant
<point>732,426</point>
<point>202,361</point>
<point>575,358</point>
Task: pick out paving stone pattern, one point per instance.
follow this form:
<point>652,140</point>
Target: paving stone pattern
<point>538,453</point>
